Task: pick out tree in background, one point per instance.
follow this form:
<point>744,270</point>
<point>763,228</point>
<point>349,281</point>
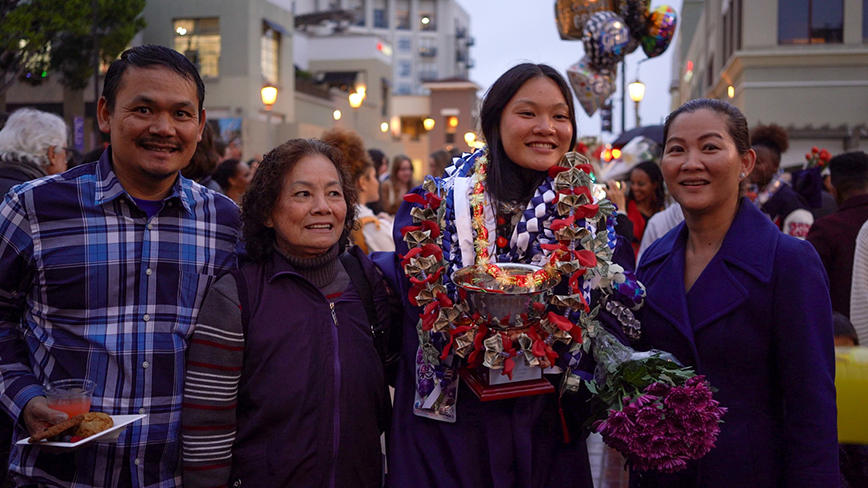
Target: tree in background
<point>115,24</point>
<point>26,32</point>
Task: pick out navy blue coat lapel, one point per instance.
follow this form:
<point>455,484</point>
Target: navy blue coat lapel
<point>663,274</point>
<point>748,249</point>
<point>747,252</point>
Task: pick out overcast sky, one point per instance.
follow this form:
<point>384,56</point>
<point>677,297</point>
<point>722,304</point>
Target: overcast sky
<point>509,32</point>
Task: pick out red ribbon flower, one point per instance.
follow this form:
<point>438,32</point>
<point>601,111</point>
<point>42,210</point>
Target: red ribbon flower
<point>424,225</point>
<point>428,200</point>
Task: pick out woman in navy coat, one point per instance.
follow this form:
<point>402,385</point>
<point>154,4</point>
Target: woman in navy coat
<point>745,305</point>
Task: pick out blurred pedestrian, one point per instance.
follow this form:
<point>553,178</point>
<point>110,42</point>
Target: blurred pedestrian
<point>32,145</point>
<point>381,169</point>
<point>834,236</point>
<point>745,305</point>
<point>370,232</point>
<point>234,149</point>
<point>234,177</point>
<point>204,161</point>
<point>381,163</point>
<point>645,198</point>
<point>771,193</point>
<point>438,161</point>
<point>828,206</point>
<point>658,225</point>
<point>859,286</point>
<point>853,457</point>
<point>284,387</point>
<point>400,182</point>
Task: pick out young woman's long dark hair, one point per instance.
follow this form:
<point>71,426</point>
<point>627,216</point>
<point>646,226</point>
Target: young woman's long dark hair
<point>506,180</point>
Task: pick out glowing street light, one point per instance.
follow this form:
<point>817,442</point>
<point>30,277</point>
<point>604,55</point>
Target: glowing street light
<point>268,94</point>
<point>637,93</point>
<point>730,91</point>
<point>384,127</point>
<point>470,138</point>
<point>337,114</point>
<point>355,98</point>
<point>428,123</point>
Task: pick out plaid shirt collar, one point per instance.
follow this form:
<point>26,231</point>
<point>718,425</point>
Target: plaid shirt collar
<point>109,187</point>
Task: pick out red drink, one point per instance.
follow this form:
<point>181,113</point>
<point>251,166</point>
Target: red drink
<point>71,406</point>
<point>72,396</point>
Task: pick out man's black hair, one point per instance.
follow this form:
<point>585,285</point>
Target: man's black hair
<point>849,173</point>
<point>146,56</point>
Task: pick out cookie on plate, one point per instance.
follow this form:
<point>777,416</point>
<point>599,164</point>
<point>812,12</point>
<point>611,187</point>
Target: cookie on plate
<point>57,429</point>
<point>93,423</point>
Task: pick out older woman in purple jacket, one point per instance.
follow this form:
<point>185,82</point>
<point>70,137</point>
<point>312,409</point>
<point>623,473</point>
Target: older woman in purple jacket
<point>745,305</point>
<point>284,385</point>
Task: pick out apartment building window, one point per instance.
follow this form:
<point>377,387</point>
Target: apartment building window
<point>427,47</point>
<point>381,14</point>
<point>270,55</point>
<point>865,21</point>
<point>405,45</point>
<point>731,29</point>
<point>404,67</point>
<point>199,40</point>
<point>810,21</point>
<point>709,74</point>
<point>358,8</point>
<point>427,15</point>
<point>427,71</point>
<point>402,15</point>
<point>403,89</point>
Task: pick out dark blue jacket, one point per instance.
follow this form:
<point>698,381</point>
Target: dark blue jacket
<point>312,400</point>
<point>758,324</point>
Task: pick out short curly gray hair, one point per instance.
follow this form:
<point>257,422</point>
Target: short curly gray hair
<point>29,133</point>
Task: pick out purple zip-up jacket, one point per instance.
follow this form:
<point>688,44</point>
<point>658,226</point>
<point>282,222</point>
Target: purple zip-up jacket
<point>311,400</point>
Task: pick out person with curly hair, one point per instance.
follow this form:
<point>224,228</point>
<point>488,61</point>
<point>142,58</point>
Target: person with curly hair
<point>284,384</point>
<point>370,232</point>
<point>774,196</point>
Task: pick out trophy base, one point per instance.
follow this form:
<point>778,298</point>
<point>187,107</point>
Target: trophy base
<point>477,381</point>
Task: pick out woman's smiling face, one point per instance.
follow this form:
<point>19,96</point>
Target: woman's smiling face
<point>535,127</point>
<point>701,164</point>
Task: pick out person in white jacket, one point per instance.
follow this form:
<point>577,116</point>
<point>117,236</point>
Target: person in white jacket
<point>859,286</point>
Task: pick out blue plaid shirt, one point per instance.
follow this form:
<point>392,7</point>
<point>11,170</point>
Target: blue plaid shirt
<point>90,287</point>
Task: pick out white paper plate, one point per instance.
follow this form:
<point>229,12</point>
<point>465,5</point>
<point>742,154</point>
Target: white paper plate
<point>108,435</point>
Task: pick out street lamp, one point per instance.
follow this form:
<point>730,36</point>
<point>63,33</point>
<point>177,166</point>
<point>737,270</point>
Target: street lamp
<point>268,95</point>
<point>428,123</point>
<point>637,93</point>
<point>355,98</point>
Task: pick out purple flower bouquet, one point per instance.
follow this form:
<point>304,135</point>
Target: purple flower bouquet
<point>654,411</point>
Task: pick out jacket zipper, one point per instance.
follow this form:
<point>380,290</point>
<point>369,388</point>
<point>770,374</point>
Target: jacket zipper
<point>336,419</point>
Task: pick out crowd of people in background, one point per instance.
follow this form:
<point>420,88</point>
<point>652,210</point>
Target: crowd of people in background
<point>756,267</point>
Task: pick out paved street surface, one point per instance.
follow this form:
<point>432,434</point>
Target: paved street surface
<point>607,465</point>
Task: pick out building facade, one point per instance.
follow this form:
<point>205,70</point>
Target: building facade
<point>802,64</point>
<point>317,60</point>
<point>429,39</point>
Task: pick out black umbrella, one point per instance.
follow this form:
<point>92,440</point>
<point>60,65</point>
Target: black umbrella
<point>653,132</point>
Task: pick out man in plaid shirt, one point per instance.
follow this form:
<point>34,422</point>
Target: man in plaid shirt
<point>102,271</point>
